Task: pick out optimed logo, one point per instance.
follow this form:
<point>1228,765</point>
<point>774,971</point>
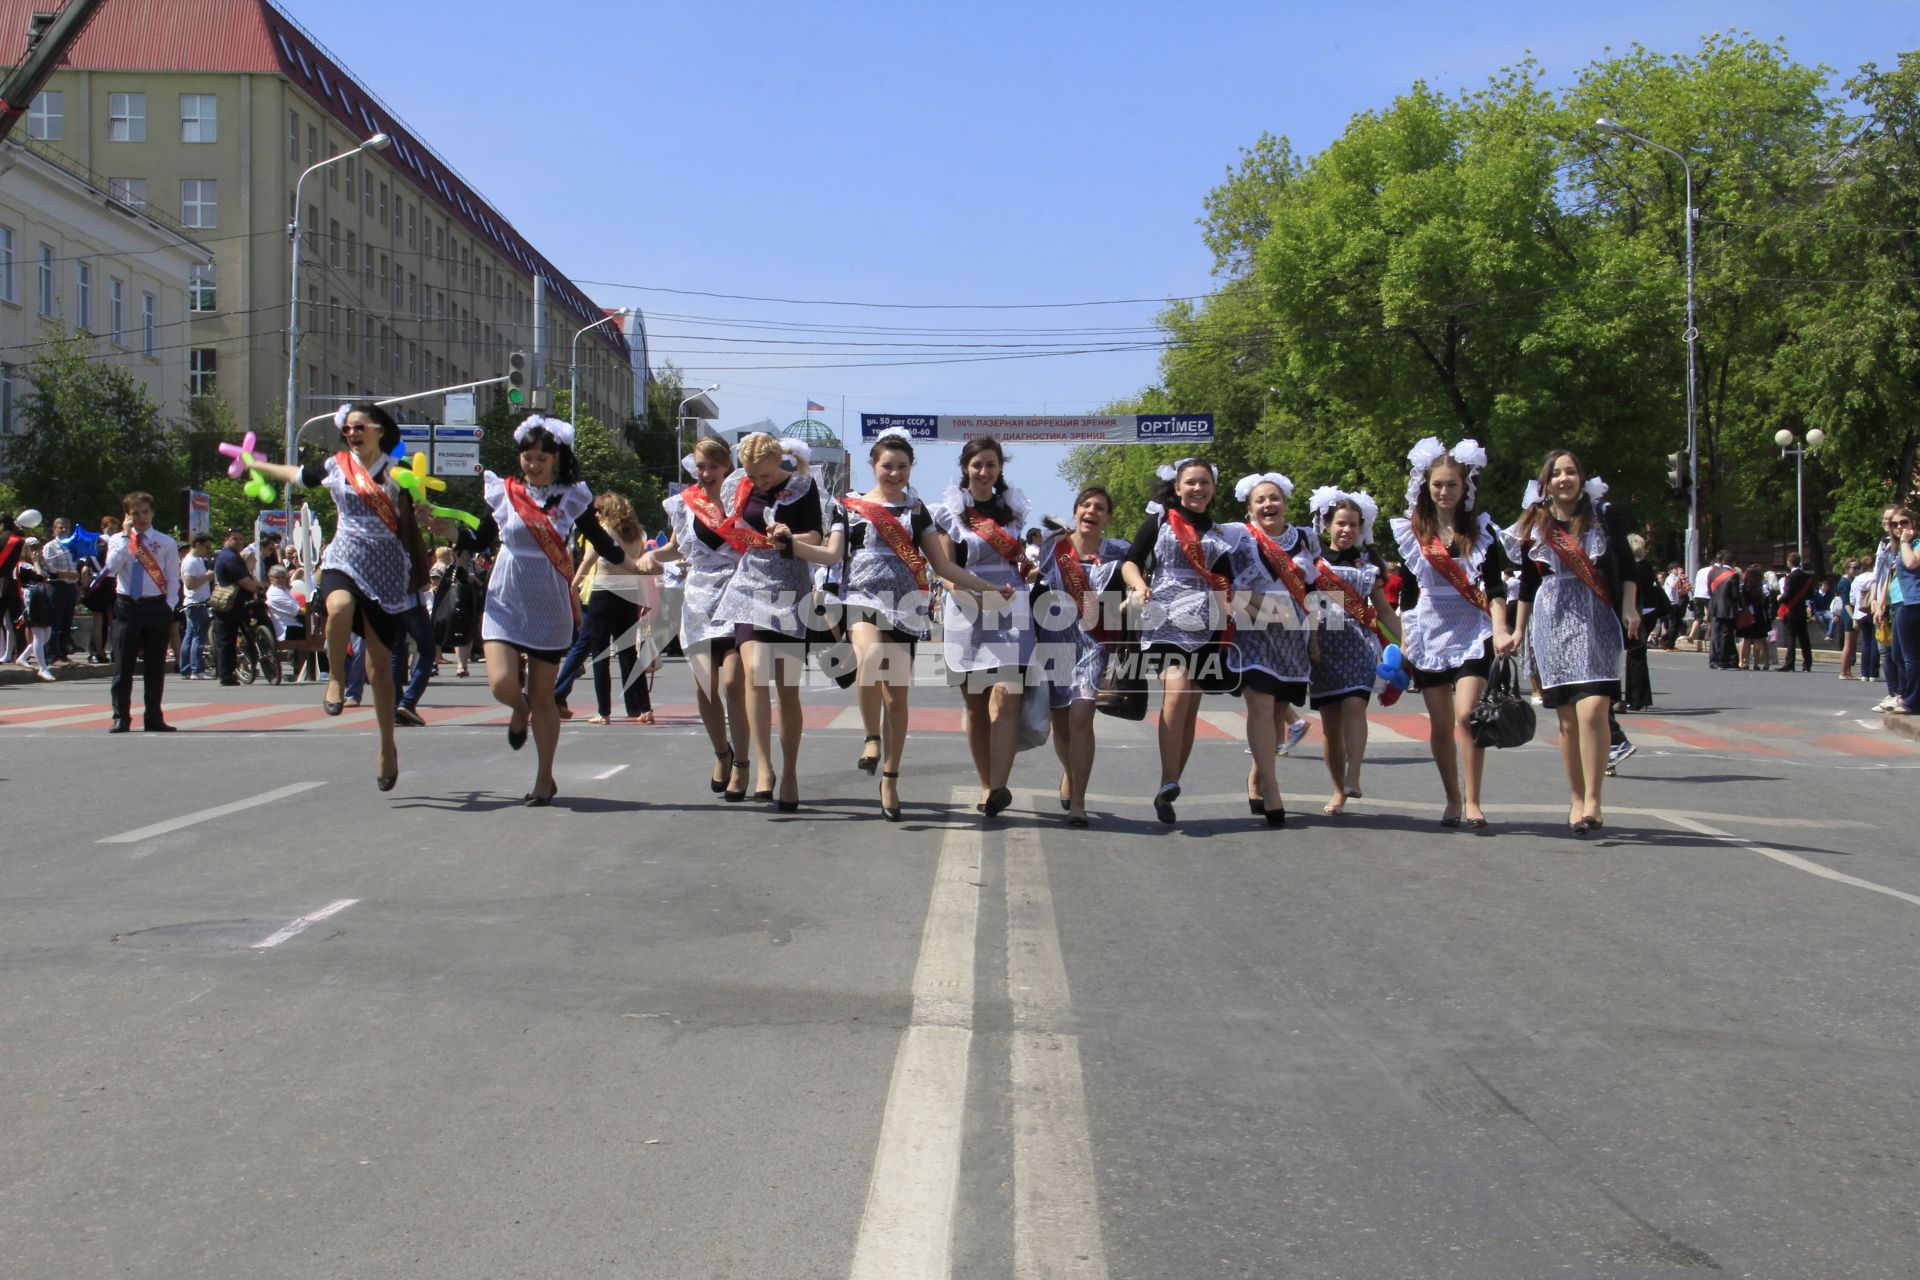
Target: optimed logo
<point>1174,426</point>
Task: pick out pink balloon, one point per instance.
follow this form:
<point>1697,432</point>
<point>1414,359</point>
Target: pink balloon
<point>238,453</point>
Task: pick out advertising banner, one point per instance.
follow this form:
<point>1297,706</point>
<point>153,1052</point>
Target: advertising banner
<point>1125,428</point>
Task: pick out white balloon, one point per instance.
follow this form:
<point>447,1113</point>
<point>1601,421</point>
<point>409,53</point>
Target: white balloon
<point>30,518</point>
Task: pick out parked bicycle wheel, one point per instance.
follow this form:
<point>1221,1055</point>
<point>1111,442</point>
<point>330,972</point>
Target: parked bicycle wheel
<point>266,655</point>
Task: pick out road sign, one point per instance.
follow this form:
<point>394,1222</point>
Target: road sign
<point>1123,428</point>
<point>456,450</point>
<point>460,408</point>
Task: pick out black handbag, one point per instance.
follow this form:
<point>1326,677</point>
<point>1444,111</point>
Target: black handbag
<point>1122,690</point>
<point>1502,717</point>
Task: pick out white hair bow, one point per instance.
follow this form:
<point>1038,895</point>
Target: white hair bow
<point>1596,489</point>
<point>1369,512</point>
<point>1166,472</point>
<point>1247,484</point>
<point>1155,509</point>
<point>1533,496</point>
<point>340,417</point>
<point>797,449</point>
<point>562,432</point>
<point>1468,453</point>
<point>895,433</point>
<point>687,465</point>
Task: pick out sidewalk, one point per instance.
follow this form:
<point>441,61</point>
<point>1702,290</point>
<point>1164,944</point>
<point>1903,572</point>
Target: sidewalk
<point>12,674</point>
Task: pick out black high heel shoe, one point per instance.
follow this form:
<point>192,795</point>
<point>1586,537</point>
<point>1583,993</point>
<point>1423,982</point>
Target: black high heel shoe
<point>997,802</point>
<point>893,814</point>
<point>516,738</point>
<point>764,797</point>
<point>868,763</point>
<point>1163,802</point>
<point>719,788</point>
<point>786,806</point>
<point>1254,806</point>
<point>533,801</point>
<point>1276,817</point>
<point>734,795</point>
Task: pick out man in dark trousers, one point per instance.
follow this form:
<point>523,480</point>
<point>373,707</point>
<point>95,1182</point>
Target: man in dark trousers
<point>145,564</point>
<point>1793,611</point>
<point>230,570</point>
<point>1723,605</point>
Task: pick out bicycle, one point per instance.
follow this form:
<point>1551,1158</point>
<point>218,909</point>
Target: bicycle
<point>257,654</point>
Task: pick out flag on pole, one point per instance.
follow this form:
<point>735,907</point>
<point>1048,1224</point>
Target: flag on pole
<point>812,407</point>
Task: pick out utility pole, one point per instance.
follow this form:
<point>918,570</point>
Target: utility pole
<point>46,45</point>
<point>539,343</point>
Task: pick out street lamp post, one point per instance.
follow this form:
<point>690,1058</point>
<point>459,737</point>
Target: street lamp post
<point>573,360</point>
<point>1784,438</point>
<point>680,418</point>
<point>1692,336</point>
<point>378,142</point>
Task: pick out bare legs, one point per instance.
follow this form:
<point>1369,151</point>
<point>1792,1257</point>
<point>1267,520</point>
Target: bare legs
<point>530,697</point>
<point>1345,725</point>
<point>768,672</point>
<point>993,734</point>
<point>1447,711</point>
<point>721,696</point>
<point>339,635</point>
<point>1266,720</point>
<point>1584,738</point>
<point>380,677</point>
<point>1179,710</point>
<point>886,675</point>
<point>1073,743</point>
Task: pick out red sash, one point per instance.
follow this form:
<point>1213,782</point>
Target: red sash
<point>990,532</point>
<point>148,561</point>
<point>1449,568</point>
<point>546,537</point>
<point>1329,581</point>
<point>1575,558</point>
<point>1189,540</point>
<point>1073,576</point>
<point>1792,602</point>
<point>370,493</point>
<point>1281,566</point>
<point>896,535</point>
<point>731,529</point>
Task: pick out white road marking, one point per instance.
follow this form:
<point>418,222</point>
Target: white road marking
<point>1793,860</point>
<point>102,712</point>
<point>602,777</point>
<point>207,815</point>
<point>906,1231</point>
<point>1056,1208</point>
<point>293,928</point>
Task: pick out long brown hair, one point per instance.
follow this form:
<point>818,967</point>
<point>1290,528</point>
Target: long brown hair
<point>616,513</point>
<point>1466,520</point>
<point>1536,517</point>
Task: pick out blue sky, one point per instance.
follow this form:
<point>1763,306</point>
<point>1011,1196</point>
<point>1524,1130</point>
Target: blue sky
<point>952,154</point>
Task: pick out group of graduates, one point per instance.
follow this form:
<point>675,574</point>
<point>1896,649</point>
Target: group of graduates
<point>1281,614</point>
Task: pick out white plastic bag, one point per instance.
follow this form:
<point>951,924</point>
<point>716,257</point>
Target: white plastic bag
<point>1036,716</point>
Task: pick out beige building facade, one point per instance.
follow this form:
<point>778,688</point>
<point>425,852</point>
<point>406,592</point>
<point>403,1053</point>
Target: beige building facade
<point>210,111</point>
<point>75,258</point>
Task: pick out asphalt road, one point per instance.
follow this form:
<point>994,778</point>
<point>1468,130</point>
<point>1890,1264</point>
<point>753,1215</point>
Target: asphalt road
<point>644,1033</point>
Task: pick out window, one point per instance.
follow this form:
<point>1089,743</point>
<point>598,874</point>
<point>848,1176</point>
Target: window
<point>131,191</point>
<point>47,116</point>
<point>7,394</point>
<point>383,276</point>
<point>313,144</point>
<point>366,191</point>
<point>413,289</point>
<point>199,117</point>
<point>313,308</point>
<point>440,310</point>
<point>333,388</point>
<point>49,303</point>
<point>199,202</point>
<point>366,338</point>
<point>333,170</point>
<point>201,291</point>
<point>353,249</point>
<point>353,328</point>
<point>366,263</point>
<point>348,166</point>
<point>293,136</point>
<point>6,265</point>
<point>383,204</point>
<point>413,237</point>
<point>333,242</point>
<point>202,371</point>
<point>147,304</point>
<point>117,312</point>
<point>126,117</point>
<point>333,319</point>
<point>440,243</point>
<point>383,346</point>
<point>83,295</point>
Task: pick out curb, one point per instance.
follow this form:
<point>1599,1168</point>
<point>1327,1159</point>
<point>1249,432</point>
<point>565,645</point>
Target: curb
<point>15,675</point>
<point>1905,726</point>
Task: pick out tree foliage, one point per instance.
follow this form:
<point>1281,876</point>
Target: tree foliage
<point>1491,264</point>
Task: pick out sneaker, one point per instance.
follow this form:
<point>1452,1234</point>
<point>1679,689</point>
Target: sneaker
<point>1886,703</point>
<point>45,675</point>
<point>1617,755</point>
<point>1295,731</point>
<point>404,714</point>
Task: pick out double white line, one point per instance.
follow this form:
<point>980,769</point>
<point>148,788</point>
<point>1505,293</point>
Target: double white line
<point>906,1232</point>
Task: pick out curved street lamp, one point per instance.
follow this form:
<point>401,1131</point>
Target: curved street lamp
<point>573,358</point>
<point>378,142</point>
<point>1784,438</point>
<point>1692,336</point>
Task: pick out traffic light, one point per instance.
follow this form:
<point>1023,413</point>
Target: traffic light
<point>517,379</point>
<point>1679,474</point>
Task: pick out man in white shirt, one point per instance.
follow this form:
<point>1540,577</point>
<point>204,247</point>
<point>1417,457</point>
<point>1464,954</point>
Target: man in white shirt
<point>282,607</point>
<point>196,580</point>
<point>1702,588</point>
<point>145,564</point>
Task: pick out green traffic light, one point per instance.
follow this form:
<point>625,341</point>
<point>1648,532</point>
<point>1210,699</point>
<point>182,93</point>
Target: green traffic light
<point>515,396</point>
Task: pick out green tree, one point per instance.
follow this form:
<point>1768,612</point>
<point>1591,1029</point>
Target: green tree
<point>89,433</point>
